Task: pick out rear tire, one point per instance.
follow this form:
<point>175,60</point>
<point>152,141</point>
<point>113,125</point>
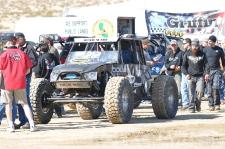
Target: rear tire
<point>165,97</point>
<point>42,109</point>
<point>89,111</point>
<point>119,100</point>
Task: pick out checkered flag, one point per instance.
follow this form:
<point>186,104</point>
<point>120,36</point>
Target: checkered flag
<point>157,30</point>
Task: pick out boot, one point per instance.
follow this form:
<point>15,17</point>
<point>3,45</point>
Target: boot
<point>216,97</point>
<point>212,108</point>
<point>217,108</point>
<point>198,107</point>
<point>198,102</point>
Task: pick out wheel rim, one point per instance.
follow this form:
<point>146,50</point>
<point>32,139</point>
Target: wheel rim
<point>171,98</point>
<point>44,103</point>
<point>125,100</point>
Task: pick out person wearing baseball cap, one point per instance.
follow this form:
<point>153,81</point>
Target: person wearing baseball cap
<point>29,50</point>
<point>173,62</point>
<point>173,42</point>
<point>193,67</point>
<point>52,49</point>
<point>147,50</point>
<point>215,57</point>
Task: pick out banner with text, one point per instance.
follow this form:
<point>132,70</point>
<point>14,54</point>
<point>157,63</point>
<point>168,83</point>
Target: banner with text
<point>92,27</point>
<point>197,24</point>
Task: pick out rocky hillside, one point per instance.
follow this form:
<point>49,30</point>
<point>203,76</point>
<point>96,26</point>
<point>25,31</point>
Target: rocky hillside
<point>12,10</point>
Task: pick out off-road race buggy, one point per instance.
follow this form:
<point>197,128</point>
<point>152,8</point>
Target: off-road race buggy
<point>104,73</point>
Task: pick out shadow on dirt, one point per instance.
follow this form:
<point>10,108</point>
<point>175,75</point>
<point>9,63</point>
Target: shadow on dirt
<point>101,122</point>
<point>196,116</point>
<point>141,120</point>
<point>73,125</point>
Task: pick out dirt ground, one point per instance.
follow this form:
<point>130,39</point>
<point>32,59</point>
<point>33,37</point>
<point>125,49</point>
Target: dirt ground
<point>199,130</point>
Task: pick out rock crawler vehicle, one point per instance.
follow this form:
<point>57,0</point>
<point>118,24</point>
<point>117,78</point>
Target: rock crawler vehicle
<point>109,74</point>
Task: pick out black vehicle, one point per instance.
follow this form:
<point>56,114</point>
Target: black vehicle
<point>4,36</point>
<point>102,73</point>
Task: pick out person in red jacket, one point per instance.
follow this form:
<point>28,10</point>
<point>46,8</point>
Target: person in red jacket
<point>15,64</point>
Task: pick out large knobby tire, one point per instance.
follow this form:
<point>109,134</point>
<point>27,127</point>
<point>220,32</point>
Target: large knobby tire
<point>165,97</point>
<point>118,100</point>
<point>89,111</point>
<point>40,90</point>
<point>72,106</point>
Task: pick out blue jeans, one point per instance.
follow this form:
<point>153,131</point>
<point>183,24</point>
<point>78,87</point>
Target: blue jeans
<point>177,78</point>
<point>184,91</point>
<point>22,117</point>
<point>2,111</point>
<point>59,110</point>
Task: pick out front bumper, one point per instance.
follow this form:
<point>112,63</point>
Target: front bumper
<point>75,84</point>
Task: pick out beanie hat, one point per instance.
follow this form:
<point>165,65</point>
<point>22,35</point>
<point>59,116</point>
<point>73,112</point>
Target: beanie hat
<point>173,42</point>
<point>212,38</point>
<point>195,42</point>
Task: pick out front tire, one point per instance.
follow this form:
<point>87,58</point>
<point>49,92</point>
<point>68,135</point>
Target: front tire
<point>119,100</point>
<point>40,90</point>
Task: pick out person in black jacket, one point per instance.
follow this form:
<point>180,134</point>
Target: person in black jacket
<point>173,63</point>
<point>46,62</point>
<point>31,53</point>
<point>27,48</point>
<point>173,59</point>
<point>184,81</point>
<point>193,67</point>
<point>213,77</point>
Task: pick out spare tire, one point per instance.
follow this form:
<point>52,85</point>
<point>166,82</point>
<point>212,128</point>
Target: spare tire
<point>118,100</point>
<point>89,111</point>
<point>40,90</point>
<point>165,97</point>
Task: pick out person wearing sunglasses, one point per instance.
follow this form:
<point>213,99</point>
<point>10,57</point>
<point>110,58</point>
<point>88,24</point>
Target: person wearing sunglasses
<point>184,81</point>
